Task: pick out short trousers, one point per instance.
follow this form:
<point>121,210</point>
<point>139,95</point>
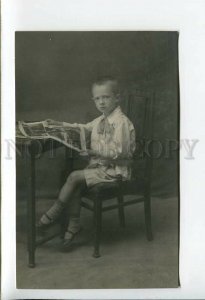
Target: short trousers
<point>99,174</point>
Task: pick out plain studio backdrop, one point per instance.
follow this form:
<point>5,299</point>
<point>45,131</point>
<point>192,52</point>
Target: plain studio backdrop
<point>54,73</point>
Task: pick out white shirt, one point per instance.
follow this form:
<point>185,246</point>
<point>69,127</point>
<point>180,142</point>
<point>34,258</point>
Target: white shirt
<point>117,146</point>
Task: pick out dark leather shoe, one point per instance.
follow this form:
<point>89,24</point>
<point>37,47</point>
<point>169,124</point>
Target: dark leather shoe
<point>68,242</point>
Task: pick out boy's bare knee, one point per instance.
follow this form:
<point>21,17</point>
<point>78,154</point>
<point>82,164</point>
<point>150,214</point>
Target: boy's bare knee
<point>75,177</point>
<point>72,176</point>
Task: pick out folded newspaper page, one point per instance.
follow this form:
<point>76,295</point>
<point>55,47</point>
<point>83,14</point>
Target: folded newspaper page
<point>72,137</point>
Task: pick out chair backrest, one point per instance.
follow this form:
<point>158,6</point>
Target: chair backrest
<point>139,107</point>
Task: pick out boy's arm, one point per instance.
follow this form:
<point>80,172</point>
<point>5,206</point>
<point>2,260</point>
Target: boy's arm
<point>51,122</point>
<point>87,126</point>
<point>74,125</point>
<point>122,145</point>
<point>121,148</point>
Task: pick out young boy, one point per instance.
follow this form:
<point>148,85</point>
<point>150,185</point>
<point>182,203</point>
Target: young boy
<point>112,146</point>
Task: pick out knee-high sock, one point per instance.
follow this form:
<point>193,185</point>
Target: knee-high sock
<point>73,227</point>
<point>53,213</point>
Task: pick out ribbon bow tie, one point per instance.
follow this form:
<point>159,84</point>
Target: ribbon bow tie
<point>104,127</point>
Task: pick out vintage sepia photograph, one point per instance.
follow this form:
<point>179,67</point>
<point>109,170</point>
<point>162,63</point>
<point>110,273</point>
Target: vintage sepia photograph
<point>97,159</point>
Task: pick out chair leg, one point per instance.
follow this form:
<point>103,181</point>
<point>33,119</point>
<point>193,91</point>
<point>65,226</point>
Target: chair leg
<point>121,211</point>
<point>148,223</point>
<point>98,226</point>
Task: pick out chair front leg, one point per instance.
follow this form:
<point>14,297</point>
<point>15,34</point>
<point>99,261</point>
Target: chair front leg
<point>98,226</point>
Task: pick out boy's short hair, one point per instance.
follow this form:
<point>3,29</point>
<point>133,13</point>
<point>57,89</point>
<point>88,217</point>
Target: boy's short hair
<point>110,79</point>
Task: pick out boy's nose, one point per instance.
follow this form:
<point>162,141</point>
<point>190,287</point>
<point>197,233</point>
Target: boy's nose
<point>101,100</point>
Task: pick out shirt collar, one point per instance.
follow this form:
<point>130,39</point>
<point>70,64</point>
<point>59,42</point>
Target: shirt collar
<point>112,116</point>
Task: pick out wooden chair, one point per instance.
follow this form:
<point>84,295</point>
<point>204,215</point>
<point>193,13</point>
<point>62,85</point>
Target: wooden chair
<point>139,109</point>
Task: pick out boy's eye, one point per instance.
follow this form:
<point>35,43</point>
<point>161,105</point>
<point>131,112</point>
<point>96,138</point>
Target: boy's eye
<point>104,97</point>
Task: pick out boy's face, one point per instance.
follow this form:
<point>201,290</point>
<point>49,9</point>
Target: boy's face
<point>105,100</point>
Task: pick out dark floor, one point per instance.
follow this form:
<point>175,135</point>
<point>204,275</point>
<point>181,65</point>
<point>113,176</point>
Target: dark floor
<point>128,260</point>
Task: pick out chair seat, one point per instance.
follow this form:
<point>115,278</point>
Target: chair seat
<point>108,190</point>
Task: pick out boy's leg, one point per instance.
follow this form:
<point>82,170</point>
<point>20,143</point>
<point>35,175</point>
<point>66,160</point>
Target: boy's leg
<point>74,207</point>
<point>74,183</point>
<point>72,213</point>
<point>74,218</point>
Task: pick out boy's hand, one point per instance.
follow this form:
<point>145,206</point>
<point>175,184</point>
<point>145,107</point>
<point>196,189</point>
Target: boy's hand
<point>83,153</point>
<point>51,122</point>
<point>88,152</point>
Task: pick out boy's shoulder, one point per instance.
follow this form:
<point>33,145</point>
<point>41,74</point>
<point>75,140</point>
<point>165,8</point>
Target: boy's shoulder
<point>122,118</point>
<point>118,118</point>
<point>96,120</point>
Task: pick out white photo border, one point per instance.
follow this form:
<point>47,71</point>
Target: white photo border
<point>186,17</point>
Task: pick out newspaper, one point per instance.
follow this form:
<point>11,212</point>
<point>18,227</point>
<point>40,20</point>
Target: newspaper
<point>71,136</point>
